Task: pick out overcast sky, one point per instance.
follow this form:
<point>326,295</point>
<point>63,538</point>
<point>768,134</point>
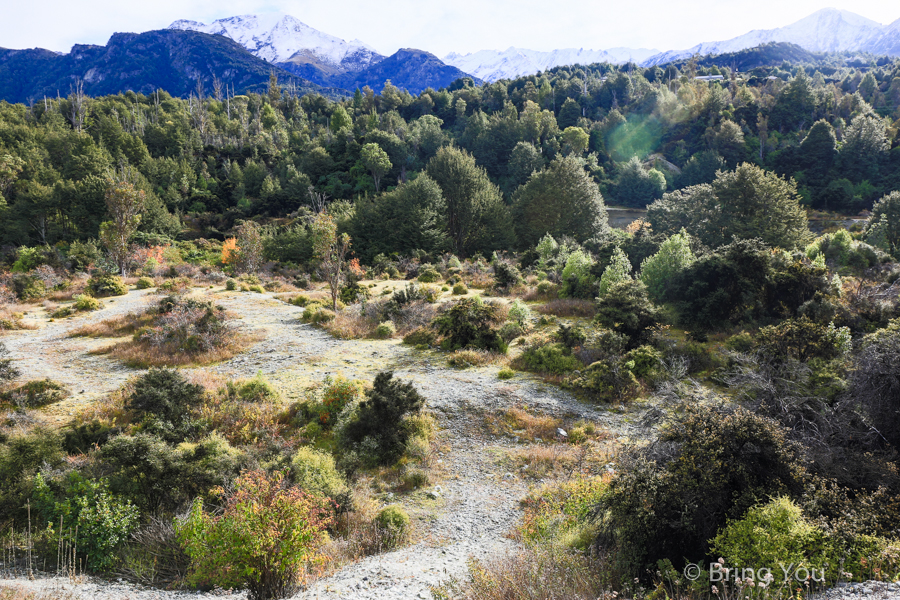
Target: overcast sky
<point>437,26</point>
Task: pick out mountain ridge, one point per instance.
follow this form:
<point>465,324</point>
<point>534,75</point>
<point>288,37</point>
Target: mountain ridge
<point>826,30</point>
<point>139,62</point>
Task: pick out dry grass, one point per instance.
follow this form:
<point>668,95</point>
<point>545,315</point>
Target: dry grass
<point>519,421</point>
<point>478,279</point>
<point>120,326</point>
<point>108,410</point>
<point>350,325</point>
<point>11,318</point>
<point>557,461</point>
<point>358,535</point>
<point>568,307</point>
<point>16,592</point>
<point>142,355</point>
<point>532,572</point>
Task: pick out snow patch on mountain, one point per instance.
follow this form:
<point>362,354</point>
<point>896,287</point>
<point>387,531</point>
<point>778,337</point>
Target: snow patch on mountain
<point>491,65</point>
<point>278,38</point>
<point>826,30</point>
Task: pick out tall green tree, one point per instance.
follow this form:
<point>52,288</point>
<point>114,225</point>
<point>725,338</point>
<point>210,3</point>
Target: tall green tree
<point>476,218</point>
<point>747,203</point>
<point>376,161</point>
<point>561,200</point>
<point>123,205</point>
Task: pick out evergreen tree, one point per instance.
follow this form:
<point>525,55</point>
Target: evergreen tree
<point>562,200</point>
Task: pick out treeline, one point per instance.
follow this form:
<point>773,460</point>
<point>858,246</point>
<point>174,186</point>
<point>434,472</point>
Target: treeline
<point>576,133</point>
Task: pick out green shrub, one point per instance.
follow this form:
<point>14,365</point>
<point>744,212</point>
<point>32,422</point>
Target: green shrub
<point>156,476</point>
<point>256,390</point>
<point>645,359</point>
<point>263,539</point>
<point>337,393</point>
<point>103,520</point>
<point>104,284</point>
<point>606,381</point>
<point>428,274</point>
<point>506,275</point>
<point>740,342</point>
<point>719,462</point>
<point>35,394</point>
<point>552,358</point>
<point>578,281</point>
<point>300,300</point>
<point>470,323</point>
<point>393,520</point>
<point>510,331</point>
<point>163,399</point>
<point>27,287</point>
<point>178,285</point>
<point>144,283</point>
<point>22,455</point>
<point>258,289</point>
<point>318,315</point>
<point>519,313</point>
<point>379,418</point>
<point>506,373</point>
<point>415,478</point>
<point>627,310</point>
<point>421,336</point>
<point>777,533</point>
<point>83,302</point>
<point>314,471</point>
<point>385,330</point>
<point>460,289</point>
<point>547,289</point>
<point>231,285</point>
<point>802,339</point>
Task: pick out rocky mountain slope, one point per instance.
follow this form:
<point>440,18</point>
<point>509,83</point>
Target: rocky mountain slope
<point>281,38</point>
<point>328,60</point>
<point>144,62</point>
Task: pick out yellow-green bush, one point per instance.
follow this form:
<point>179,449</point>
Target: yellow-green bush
<point>314,471</point>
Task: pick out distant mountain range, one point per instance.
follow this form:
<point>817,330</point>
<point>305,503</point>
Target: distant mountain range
<point>492,65</point>
<point>328,60</point>
<point>826,30</point>
<point>141,62</point>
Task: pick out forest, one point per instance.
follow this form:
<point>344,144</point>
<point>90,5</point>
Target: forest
<point>287,314</point>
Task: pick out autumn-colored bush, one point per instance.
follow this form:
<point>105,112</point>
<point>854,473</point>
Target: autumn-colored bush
<point>267,537</point>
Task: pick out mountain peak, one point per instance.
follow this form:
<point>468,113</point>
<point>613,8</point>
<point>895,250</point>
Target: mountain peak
<point>278,37</point>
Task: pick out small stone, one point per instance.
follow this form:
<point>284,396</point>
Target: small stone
<point>561,432</point>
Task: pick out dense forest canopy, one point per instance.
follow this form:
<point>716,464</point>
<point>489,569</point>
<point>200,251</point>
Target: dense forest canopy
<point>537,150</point>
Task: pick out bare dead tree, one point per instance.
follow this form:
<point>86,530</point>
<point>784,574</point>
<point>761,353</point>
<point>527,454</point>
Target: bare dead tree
<point>77,105</point>
<point>317,199</point>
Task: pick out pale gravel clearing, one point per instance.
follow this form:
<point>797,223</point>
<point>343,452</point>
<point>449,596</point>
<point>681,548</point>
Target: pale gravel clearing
<point>478,503</point>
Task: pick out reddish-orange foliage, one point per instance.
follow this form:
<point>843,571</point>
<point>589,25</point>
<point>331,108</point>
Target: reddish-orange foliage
<point>355,268</point>
<point>230,251</point>
<point>141,255</point>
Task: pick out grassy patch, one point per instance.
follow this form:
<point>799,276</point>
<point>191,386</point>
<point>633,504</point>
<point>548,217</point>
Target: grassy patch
<point>569,307</point>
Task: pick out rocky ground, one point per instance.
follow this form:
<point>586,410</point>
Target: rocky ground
<point>468,514</point>
<point>475,503</point>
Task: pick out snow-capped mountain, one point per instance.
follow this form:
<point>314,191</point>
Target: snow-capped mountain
<point>492,65</point>
<point>826,30</point>
<point>280,38</point>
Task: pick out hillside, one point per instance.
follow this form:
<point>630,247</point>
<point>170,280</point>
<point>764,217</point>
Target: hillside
<point>170,60</point>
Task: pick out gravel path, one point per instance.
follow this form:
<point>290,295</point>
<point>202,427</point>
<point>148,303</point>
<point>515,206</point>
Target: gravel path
<point>477,504</point>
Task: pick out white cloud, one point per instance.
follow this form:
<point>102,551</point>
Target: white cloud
<point>439,27</point>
